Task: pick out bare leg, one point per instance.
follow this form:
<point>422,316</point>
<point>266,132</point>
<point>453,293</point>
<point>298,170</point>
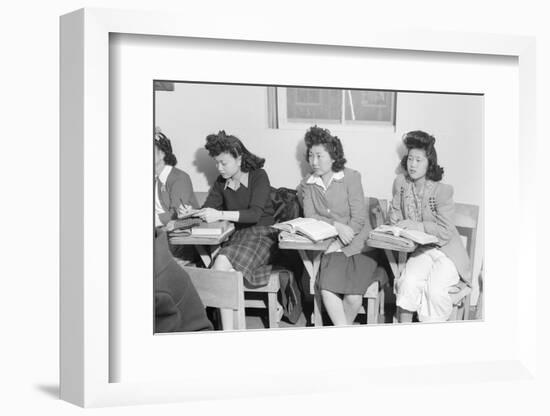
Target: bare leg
<point>335,307</point>
<point>222,263</point>
<point>352,304</point>
<point>404,315</point>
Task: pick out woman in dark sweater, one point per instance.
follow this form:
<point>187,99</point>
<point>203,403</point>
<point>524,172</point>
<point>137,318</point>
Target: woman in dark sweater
<point>241,195</point>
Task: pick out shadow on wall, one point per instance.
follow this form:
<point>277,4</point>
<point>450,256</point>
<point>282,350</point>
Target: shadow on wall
<point>401,151</point>
<point>305,169</point>
<point>205,165</point>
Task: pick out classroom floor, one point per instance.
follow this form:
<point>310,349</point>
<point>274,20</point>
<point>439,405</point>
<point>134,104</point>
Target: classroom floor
<point>257,319</point>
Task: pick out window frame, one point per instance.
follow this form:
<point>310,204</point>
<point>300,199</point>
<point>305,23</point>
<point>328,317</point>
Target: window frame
<point>278,114</point>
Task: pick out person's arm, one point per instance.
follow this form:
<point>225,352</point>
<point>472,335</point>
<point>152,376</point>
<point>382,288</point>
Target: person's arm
<point>259,190</point>
<point>394,213</point>
<point>356,200</point>
<point>158,221</point>
<point>443,212</point>
<point>165,216</point>
<point>182,192</point>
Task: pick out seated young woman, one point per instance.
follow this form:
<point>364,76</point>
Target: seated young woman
<point>173,192</point>
<point>334,194</point>
<point>241,194</point>
<point>422,202</point>
<point>173,188</point>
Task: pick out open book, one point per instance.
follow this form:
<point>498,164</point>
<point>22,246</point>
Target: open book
<point>313,229</point>
<point>416,236</point>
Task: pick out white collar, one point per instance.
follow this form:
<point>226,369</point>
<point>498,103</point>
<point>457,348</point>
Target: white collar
<point>317,180</point>
<point>233,184</point>
<point>164,174</point>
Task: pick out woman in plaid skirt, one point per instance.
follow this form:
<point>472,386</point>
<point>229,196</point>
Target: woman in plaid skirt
<point>241,195</point>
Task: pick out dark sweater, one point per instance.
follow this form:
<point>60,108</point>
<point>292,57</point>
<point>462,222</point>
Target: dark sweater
<point>253,202</point>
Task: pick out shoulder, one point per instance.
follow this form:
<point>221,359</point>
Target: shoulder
<point>351,175</point>
<point>176,174</point>
<point>258,175</point>
<point>304,180</point>
<point>220,181</point>
<point>352,180</point>
<point>399,181</point>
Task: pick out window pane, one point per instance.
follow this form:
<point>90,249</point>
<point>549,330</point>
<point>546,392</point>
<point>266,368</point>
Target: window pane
<point>314,104</point>
<point>369,105</point>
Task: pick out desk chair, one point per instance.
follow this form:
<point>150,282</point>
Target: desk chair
<point>466,220</point>
<point>479,305</point>
<point>222,290</point>
<point>267,298</point>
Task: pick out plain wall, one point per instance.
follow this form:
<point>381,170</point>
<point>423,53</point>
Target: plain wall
<point>192,111</point>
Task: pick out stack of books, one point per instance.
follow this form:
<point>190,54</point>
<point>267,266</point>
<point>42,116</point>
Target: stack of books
<point>216,230</point>
<point>212,229</point>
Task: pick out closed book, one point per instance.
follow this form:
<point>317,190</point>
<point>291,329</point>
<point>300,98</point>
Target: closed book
<point>211,229</point>
<point>390,241</point>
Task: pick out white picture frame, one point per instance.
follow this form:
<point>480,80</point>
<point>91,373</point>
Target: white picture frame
<point>85,259</point>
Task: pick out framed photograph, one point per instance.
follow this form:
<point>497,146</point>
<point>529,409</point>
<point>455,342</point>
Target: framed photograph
<point>122,79</point>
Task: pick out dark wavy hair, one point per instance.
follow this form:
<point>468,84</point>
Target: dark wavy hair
<point>418,139</point>
<point>332,144</point>
<point>223,143</point>
<point>163,143</point>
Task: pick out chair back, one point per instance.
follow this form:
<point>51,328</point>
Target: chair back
<point>220,289</point>
<point>466,220</point>
<point>376,211</point>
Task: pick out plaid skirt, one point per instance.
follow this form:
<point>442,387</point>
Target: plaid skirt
<point>250,251</point>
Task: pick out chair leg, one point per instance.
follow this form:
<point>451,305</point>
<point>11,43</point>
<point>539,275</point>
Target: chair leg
<point>272,309</point>
<point>454,314</point>
<point>372,311</point>
<point>466,304</point>
<point>381,305</point>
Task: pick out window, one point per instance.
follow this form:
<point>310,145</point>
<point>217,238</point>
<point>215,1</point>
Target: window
<point>301,107</point>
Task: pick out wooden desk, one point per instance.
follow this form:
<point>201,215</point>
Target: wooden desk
<point>397,264</point>
<point>310,253</point>
<point>207,247</point>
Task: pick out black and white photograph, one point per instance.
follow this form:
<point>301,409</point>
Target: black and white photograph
<point>303,206</point>
<point>300,207</point>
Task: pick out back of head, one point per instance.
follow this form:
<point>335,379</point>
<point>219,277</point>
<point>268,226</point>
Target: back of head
<point>163,143</point>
